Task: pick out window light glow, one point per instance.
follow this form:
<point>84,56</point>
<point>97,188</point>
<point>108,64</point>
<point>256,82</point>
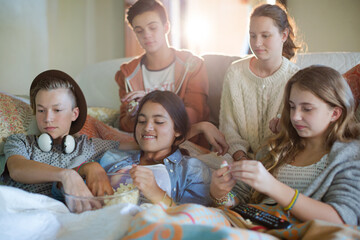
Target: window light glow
<point>198,30</point>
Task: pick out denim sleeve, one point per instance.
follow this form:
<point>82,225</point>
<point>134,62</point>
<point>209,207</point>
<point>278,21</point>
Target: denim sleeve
<point>196,184</point>
<point>115,159</point>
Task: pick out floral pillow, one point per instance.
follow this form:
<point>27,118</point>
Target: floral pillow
<point>353,78</point>
<point>15,117</point>
<point>105,115</point>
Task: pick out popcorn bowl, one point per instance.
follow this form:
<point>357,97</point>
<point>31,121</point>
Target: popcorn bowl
<point>124,192</point>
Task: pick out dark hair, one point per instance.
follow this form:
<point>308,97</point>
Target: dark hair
<point>328,85</point>
<point>142,6</point>
<point>283,21</point>
<point>175,108</point>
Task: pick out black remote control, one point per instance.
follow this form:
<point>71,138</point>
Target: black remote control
<point>263,218</point>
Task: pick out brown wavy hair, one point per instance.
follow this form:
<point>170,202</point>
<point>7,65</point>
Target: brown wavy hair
<point>283,21</point>
<point>141,6</point>
<point>328,85</point>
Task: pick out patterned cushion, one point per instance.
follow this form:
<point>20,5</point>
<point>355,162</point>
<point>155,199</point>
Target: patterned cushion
<point>105,115</point>
<point>15,117</point>
<point>353,78</point>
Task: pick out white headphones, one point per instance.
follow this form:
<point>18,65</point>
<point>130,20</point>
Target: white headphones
<point>46,142</point>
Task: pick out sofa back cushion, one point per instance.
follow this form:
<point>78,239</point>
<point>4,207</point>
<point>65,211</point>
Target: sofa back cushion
<point>340,61</point>
<point>216,66</point>
<point>97,82</point>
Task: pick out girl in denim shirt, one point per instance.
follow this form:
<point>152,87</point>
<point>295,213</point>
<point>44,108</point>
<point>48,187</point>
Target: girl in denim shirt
<point>160,170</point>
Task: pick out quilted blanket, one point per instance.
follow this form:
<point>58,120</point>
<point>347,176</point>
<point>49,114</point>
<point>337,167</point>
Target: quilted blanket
<point>26,215</point>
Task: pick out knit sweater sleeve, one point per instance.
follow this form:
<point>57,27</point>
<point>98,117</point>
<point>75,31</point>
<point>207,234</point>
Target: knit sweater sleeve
<point>338,185</point>
<point>228,123</point>
<point>344,192</point>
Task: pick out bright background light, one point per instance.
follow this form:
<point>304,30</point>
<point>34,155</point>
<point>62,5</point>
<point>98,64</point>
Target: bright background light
<point>217,26</point>
<point>198,30</point>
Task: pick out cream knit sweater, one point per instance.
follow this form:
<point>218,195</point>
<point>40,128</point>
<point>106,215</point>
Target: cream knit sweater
<point>249,102</point>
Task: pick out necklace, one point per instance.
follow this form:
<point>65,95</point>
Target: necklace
<point>255,69</point>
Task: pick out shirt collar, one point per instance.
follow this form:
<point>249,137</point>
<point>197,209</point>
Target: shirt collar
<point>176,157</point>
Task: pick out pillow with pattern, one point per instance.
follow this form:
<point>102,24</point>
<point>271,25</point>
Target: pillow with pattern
<point>353,78</point>
<point>15,117</point>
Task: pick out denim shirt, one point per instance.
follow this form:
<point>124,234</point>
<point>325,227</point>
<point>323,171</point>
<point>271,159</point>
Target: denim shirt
<point>190,178</point>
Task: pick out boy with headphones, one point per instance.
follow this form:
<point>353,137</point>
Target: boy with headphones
<point>35,162</point>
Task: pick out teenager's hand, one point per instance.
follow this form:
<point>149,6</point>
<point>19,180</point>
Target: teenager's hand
<point>253,173</point>
<point>221,183</point>
<point>240,155</point>
<point>97,179</point>
<point>212,135</point>
<point>144,180</point>
<point>274,125</point>
<point>73,184</point>
<point>132,99</point>
<point>134,95</point>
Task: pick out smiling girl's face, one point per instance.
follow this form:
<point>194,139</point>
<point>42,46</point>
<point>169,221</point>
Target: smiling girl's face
<point>155,131</point>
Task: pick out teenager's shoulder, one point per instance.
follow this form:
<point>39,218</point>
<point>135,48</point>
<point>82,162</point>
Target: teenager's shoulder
<point>86,140</point>
<point>238,68</point>
<point>354,144</point>
<point>21,137</point>
<point>239,64</point>
<point>186,55</point>
<point>289,66</point>
<point>128,67</point>
<point>347,150</point>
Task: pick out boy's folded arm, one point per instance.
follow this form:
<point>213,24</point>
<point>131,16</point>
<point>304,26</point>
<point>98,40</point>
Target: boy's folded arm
<point>28,171</point>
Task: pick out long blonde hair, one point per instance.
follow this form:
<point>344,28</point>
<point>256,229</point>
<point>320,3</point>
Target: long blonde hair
<point>328,85</point>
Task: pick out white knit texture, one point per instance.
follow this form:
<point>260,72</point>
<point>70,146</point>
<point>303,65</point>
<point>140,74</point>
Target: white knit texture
<point>300,178</point>
<point>249,102</point>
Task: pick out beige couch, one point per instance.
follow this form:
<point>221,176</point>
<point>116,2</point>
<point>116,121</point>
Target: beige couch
<point>100,89</point>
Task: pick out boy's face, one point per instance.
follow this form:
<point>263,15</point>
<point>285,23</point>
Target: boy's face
<point>150,31</point>
<point>54,113</point>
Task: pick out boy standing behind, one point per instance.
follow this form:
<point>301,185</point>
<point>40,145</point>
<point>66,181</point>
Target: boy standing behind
<point>160,67</point>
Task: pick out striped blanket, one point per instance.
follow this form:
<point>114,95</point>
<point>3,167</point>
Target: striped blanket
<point>191,221</point>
